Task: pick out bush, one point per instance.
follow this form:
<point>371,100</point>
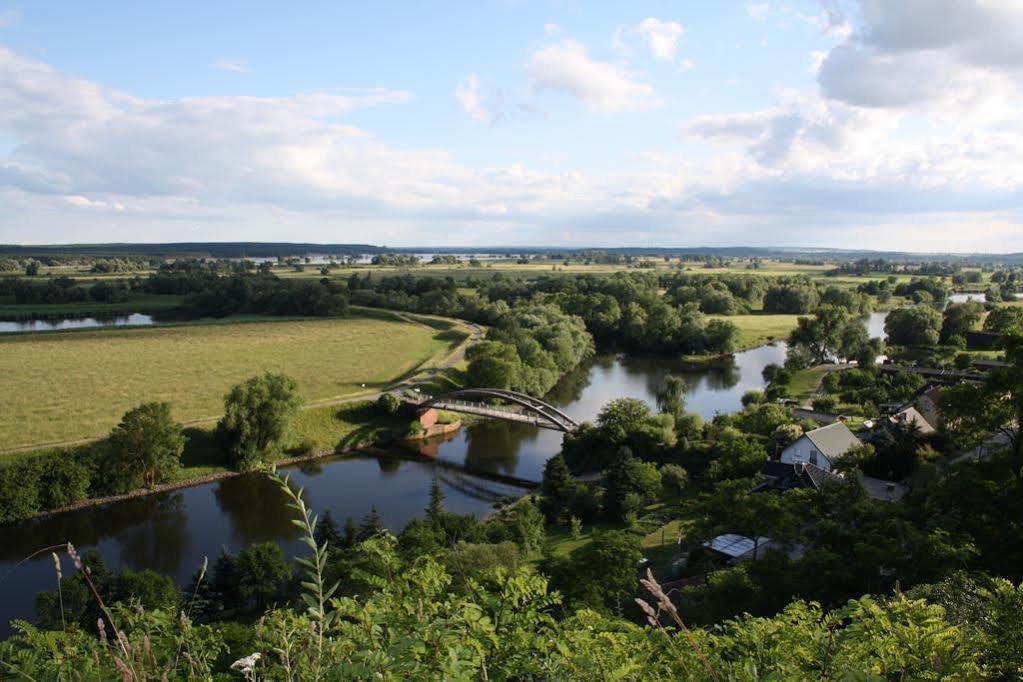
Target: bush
<point>388,403</point>
<point>674,477</point>
<point>64,480</point>
<point>19,489</point>
<point>826,403</point>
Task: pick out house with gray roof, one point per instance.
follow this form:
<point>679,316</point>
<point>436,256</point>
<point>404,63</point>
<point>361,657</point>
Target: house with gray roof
<point>911,415</point>
<point>821,447</point>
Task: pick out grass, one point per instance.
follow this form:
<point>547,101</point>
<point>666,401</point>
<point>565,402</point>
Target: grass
<point>61,387</point>
<point>314,430</point>
<point>756,330</point>
<point>804,382</point>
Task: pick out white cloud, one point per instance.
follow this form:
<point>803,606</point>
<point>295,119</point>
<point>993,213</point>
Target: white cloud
<point>236,65</point>
<point>919,51</point>
<point>467,93</point>
<point>601,86</point>
<point>687,65</point>
<point>551,29</point>
<point>661,37</point>
<point>758,11</point>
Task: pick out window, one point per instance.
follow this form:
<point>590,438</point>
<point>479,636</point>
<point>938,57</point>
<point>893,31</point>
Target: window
<point>813,457</point>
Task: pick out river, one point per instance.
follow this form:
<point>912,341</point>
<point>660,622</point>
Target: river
<point>171,532</point>
<point>65,323</point>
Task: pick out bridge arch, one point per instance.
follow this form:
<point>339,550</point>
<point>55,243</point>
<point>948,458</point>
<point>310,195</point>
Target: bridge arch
<point>552,416</point>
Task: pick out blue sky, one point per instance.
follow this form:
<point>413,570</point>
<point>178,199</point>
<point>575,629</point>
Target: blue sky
<point>843,123</point>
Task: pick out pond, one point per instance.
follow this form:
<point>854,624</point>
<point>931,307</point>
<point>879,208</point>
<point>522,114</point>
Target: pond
<point>63,324</point>
<point>171,532</point>
<point>966,297</point>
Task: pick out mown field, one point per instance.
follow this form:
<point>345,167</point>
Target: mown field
<point>758,329</point>
<point>62,386</point>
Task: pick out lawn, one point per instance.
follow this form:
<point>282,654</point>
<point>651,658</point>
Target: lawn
<point>61,387</point>
<point>756,330</point>
<point>804,383</point>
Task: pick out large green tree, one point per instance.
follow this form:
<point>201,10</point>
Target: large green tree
<point>919,325</point>
<point>971,413</point>
<point>820,335</point>
<point>257,416</point>
<point>146,447</point>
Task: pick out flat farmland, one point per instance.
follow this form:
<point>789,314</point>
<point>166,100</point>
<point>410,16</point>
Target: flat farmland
<point>65,386</point>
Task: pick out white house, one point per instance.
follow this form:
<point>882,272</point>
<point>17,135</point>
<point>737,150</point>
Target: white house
<point>821,447</point>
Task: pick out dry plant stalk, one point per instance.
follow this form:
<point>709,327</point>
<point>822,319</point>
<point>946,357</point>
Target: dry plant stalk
<point>664,604</point>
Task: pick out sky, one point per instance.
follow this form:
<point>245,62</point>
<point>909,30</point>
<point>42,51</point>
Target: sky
<point>866,124</point>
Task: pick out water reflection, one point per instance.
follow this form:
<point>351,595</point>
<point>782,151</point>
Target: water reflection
<point>521,450</point>
<point>256,509</point>
<point>58,324</point>
<point>173,531</point>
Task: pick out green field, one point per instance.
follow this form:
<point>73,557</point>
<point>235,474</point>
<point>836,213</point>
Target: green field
<point>756,330</point>
<point>61,387</point>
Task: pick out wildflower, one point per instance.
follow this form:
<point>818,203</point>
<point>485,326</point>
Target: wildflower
<point>56,565</point>
<point>246,665</point>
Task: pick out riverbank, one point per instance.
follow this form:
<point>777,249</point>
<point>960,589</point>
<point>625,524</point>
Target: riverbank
<point>103,373</point>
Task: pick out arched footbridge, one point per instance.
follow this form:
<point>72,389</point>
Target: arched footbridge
<point>511,406</point>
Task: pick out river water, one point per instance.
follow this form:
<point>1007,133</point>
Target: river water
<point>63,324</point>
<point>171,532</point>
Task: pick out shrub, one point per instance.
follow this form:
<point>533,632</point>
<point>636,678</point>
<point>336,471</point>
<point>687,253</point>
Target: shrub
<point>64,480</point>
<point>825,403</point>
<point>674,477</point>
<point>388,403</point>
<point>19,489</point>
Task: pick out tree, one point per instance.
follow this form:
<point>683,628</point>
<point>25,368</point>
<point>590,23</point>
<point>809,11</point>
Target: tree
<point>32,268</point>
<point>146,447</point>
<point>970,413</point>
<point>435,510</point>
<point>820,335</point>
<point>559,488</point>
<point>371,524</point>
<point>1004,319</point>
<point>327,531</point>
<point>854,342</point>
<point>621,418</point>
<point>629,476</point>
<point>959,318</point>
<point>529,526</point>
<point>919,325</point>
<point>493,364</point>
<point>261,570</point>
<point>257,416</point>
<point>671,395</point>
<point>601,574</point>
<point>674,477</point>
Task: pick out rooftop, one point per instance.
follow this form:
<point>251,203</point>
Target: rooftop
<point>833,440</point>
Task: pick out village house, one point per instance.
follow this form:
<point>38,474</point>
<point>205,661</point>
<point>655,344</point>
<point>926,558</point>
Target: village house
<point>821,447</point>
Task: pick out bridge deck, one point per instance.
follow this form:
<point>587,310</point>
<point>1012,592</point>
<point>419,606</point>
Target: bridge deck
<point>481,410</point>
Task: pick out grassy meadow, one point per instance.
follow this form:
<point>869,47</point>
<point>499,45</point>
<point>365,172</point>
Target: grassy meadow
<point>64,386</point>
<point>758,329</point>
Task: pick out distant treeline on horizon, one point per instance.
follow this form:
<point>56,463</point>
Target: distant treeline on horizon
<point>298,249</point>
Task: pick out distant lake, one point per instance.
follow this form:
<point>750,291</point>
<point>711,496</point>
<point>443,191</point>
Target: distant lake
<point>55,324</point>
<point>968,297</point>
